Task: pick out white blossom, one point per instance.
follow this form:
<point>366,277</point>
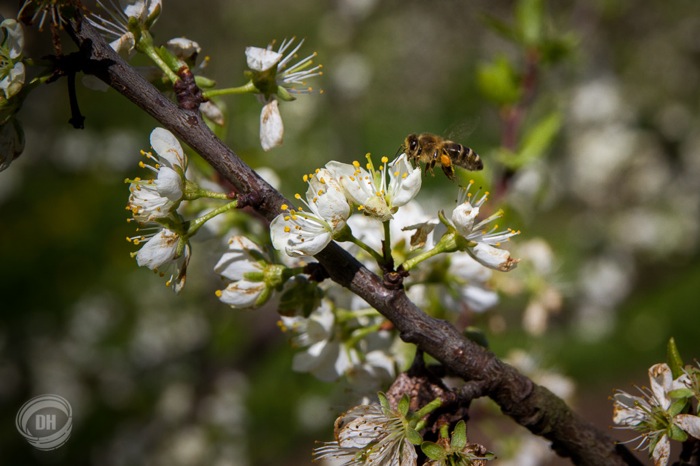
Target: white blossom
<point>12,70</point>
<point>244,265</point>
<point>183,48</point>
<point>116,27</point>
<point>486,248</point>
<point>276,77</point>
<point>157,198</point>
<point>271,126</point>
<point>472,278</point>
<point>166,253</point>
<point>323,354</point>
<point>378,193</point>
<point>297,232</point>
<point>653,414</point>
<point>370,435</point>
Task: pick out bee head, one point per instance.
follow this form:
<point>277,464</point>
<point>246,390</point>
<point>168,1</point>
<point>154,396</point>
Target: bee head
<point>411,144</point>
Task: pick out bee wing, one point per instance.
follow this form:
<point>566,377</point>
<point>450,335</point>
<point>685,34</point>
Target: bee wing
<point>461,130</point>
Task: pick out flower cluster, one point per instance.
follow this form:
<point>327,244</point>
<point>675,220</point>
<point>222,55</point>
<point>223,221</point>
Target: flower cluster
<point>153,204</point>
<point>331,193</point>
<point>332,346</point>
<point>659,415</point>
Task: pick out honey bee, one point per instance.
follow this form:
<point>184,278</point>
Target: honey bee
<point>432,150</point>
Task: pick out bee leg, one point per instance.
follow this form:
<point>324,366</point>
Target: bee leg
<point>429,166</point>
<point>449,171</point>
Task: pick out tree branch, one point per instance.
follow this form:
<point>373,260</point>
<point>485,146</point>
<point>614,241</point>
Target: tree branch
<point>528,404</point>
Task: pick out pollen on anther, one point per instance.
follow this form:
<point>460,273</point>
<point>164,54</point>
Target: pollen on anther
<point>284,207</point>
<point>297,196</point>
<point>305,178</point>
<point>385,159</point>
<point>287,229</point>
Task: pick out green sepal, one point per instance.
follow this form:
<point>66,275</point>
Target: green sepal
<point>681,393</point>
<point>413,436</point>
<point>404,405</point>
<point>384,402</point>
<point>676,433</point>
<point>677,407</point>
<point>433,451</point>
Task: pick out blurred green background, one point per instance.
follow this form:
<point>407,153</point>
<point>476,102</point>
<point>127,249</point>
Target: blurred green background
<point>155,378</point>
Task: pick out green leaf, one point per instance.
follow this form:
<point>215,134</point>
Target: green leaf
<point>528,15</point>
<point>535,143</point>
<point>500,27</point>
<point>553,50</point>
<point>675,362</point>
<point>498,81</point>
<point>433,451</point>
<point>459,436</point>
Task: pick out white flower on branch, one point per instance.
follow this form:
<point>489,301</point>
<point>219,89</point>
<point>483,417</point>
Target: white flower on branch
<point>117,28</point>
<point>372,435</point>
<point>656,415</point>
<point>485,243</point>
<point>275,77</point>
<point>244,264</point>
<point>378,193</point>
<point>297,232</point>
<point>323,354</point>
<point>157,198</point>
<point>165,252</point>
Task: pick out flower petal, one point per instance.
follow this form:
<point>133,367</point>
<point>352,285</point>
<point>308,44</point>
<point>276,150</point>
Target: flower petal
<point>260,59</point>
<point>405,181</point>
<point>242,294</point>
<point>689,423</point>
<point>271,127</point>
<point>662,451</point>
<point>493,257</point>
<point>168,148</point>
